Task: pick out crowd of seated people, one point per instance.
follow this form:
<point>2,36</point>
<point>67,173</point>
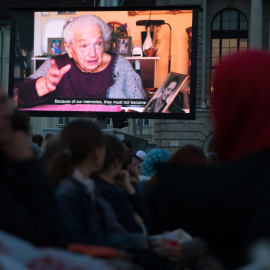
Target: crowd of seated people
<point>189,211</point>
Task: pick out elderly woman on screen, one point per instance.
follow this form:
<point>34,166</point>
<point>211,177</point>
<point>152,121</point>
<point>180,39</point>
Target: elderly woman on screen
<point>86,71</point>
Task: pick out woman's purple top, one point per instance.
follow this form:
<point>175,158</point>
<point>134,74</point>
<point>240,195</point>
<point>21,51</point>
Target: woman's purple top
<point>74,84</point>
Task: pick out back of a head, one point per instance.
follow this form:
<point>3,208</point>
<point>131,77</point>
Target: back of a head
<point>240,103</point>
<point>128,144</point>
<point>114,150</point>
<point>190,156</point>
<point>77,141</point>
<point>37,139</point>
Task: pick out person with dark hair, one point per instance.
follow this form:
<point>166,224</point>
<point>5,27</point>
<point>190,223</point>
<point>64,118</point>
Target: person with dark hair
<point>190,156</point>
<point>114,184</point>
<point>87,218</point>
<point>127,145</point>
<point>157,105</point>
<point>37,138</point>
<point>27,207</point>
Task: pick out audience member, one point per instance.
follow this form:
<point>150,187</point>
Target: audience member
<point>127,145</point>
<point>114,184</point>
<point>45,142</point>
<point>190,156</point>
<point>38,139</point>
<point>128,164</point>
<point>228,205</point>
<point>36,150</point>
<point>86,216</point>
<point>28,209</point>
<point>148,149</point>
<point>148,169</point>
<point>140,155</point>
<point>134,172</point>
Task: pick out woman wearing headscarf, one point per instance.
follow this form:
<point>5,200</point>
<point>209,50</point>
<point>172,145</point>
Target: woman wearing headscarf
<point>85,71</point>
<point>229,206</point>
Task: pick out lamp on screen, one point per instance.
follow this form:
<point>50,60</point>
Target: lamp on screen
<point>148,23</point>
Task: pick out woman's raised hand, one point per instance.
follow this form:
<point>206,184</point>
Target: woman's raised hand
<point>45,85</point>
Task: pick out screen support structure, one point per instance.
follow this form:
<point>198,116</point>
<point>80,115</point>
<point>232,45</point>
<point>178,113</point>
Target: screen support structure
<point>102,122</point>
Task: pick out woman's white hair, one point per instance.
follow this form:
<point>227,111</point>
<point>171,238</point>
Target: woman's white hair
<point>86,21</point>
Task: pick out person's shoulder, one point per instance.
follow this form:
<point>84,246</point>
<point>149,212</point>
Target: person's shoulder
<point>104,187</point>
<point>67,187</point>
<point>119,59</point>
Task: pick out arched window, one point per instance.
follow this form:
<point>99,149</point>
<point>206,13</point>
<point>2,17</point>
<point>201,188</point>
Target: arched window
<point>229,34</point>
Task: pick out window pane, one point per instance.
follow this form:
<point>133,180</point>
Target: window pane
<point>234,15</point>
<point>60,120</point>
<point>243,25</point>
<point>242,49</point>
<point>66,120</point>
<point>215,61</point>
<point>146,122</point>
<point>216,26</point>
<point>225,42</point>
<point>215,52</point>
<point>243,42</point>
<point>233,25</point>
<point>232,50</point>
<point>216,23</point>
<point>215,43</point>
<point>212,79</point>
<point>226,15</point>
<point>233,42</point>
<point>225,25</point>
<point>225,51</point>
<point>242,17</point>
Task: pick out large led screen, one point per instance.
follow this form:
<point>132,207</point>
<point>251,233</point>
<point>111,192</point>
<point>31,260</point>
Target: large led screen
<point>107,63</point>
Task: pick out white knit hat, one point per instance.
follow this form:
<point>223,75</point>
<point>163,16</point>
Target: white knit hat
<point>141,154</point>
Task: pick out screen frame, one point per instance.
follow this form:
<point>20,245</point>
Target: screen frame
<point>132,115</point>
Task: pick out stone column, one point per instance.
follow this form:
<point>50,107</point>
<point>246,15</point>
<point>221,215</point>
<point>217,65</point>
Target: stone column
<point>255,36</point>
<point>203,103</point>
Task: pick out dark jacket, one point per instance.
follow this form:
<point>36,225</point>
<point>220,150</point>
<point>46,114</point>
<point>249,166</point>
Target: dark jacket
<point>158,210</point>
<point>124,205</point>
<point>228,206</point>
<point>91,222</point>
<point>27,206</point>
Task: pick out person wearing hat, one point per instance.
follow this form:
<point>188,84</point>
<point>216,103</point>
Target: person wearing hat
<point>140,155</point>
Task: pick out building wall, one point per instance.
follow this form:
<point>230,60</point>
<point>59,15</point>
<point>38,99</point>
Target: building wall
<point>182,132</point>
<point>200,131</point>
